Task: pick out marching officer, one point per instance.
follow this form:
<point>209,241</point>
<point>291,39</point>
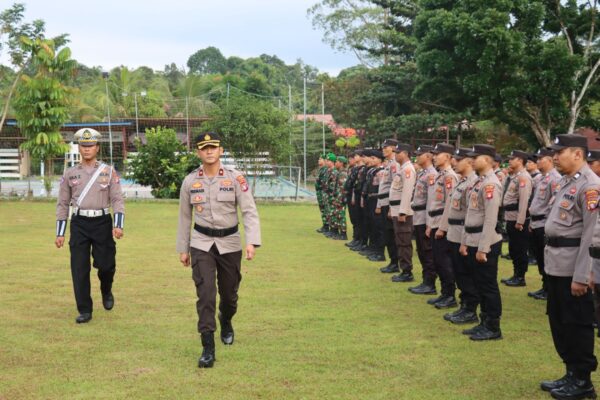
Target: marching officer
<point>481,243</point>
<point>453,225</point>
<point>209,240</point>
<point>425,179</point>
<point>401,194</point>
<point>569,230</point>
<point>383,201</point>
<point>516,204</point>
<point>438,202</point>
<point>539,209</point>
<point>90,188</point>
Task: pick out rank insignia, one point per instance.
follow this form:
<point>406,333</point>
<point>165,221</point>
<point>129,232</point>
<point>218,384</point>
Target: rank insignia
<point>221,172</point>
<point>431,179</point>
<point>591,199</point>
<point>243,184</point>
<point>573,190</point>
<point>197,185</point>
<point>226,182</point>
<point>489,192</point>
<point>448,183</point>
<point>407,173</point>
<point>522,182</point>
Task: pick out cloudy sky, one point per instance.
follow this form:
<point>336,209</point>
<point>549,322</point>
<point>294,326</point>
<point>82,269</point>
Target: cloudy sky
<point>153,33</point>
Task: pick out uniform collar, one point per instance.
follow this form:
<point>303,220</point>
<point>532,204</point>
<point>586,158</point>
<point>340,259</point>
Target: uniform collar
<point>220,173</point>
<point>80,165</point>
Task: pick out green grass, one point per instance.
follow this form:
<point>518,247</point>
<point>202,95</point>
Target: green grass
<point>315,321</point>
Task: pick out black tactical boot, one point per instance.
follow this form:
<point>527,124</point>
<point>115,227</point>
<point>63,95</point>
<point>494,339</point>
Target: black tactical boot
<point>435,299</point>
<point>353,243</point>
<point>341,236</point>
<point>467,317</point>
<point>403,277</point>
<point>377,256</point>
<point>543,295</point>
<point>227,333</point>
<point>575,389</point>
<point>446,302</point>
<point>504,280</point>
<point>207,359</point>
<point>490,331</point>
<point>533,294</point>
<point>450,315</point>
<point>108,301</point>
<point>323,229</point>
<point>476,328</point>
<point>83,318</point>
<point>548,386</point>
<point>515,282</point>
<point>423,288</point>
<point>390,268</point>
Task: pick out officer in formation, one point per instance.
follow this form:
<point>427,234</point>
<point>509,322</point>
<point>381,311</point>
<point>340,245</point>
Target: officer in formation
<point>319,187</point>
<point>86,194</point>
<point>332,182</point>
<point>208,239</point>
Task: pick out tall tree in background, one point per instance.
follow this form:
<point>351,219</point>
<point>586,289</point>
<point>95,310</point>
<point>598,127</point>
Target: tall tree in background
<point>207,61</point>
<point>42,99</point>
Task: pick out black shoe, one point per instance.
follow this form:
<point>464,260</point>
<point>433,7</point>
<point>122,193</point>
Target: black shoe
<point>423,289</point>
<point>366,252</point>
<point>454,314</point>
<point>403,277</point>
<point>489,331</point>
<point>466,317</point>
<point>341,236</point>
<point>575,389</point>
<point>542,296</point>
<point>505,256</point>
<point>533,294</point>
<point>476,328</point>
<point>207,359</point>
<point>83,318</point>
<point>390,269</point>
<point>353,243</point>
<point>532,261</point>
<point>446,302</point>
<point>227,333</point>
<point>515,282</point>
<point>435,300</point>
<point>108,301</point>
<point>504,280</point>
<point>548,386</point>
<point>376,257</point>
<point>322,229</point>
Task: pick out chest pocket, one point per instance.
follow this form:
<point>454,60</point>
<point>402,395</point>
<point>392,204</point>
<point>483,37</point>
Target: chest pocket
<point>226,196</point>
<point>456,202</point>
<point>565,212</point>
<point>474,199</point>
<point>543,191</point>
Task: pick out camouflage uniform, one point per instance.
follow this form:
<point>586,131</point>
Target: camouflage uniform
<point>319,186</point>
<point>338,212</point>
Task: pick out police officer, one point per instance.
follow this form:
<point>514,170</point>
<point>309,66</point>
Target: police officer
<point>375,250</point>
<point>570,306</point>
<point>358,202</point>
<point>481,243</point>
<point>319,186</point>
<point>372,163</point>
<point>453,225</point>
<point>425,179</point>
<point>539,209</point>
<point>208,232</point>
<point>438,201</point>
<point>401,194</point>
<point>90,188</point>
<point>354,164</point>
<point>515,203</point>
<point>593,158</point>
<point>383,202</point>
<point>498,170</point>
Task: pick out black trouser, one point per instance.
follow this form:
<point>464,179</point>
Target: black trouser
<point>442,261</point>
<point>93,234</point>
<point>389,239</point>
<point>425,254</point>
<point>485,276</point>
<point>356,219</point>
<point>518,245</point>
<point>208,266</point>
<point>571,318</point>
<point>365,227</point>
<point>403,232</point>
<point>376,226</point>
<point>469,297</point>
<point>536,238</point>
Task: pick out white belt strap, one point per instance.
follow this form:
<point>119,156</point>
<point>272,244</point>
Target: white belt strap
<point>87,187</point>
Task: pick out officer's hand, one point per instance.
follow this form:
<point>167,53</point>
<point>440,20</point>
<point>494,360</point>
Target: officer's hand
<point>118,233</point>
<point>401,218</point>
<point>378,210</point>
<point>578,289</point>
<point>60,240</point>
<point>250,250</point>
<point>463,250</point>
<point>439,234</point>
<point>428,231</point>
<point>353,203</point>
<point>184,258</point>
<point>481,257</point>
<point>519,227</point>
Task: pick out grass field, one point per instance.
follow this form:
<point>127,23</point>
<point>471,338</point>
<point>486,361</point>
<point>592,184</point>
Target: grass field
<point>315,321</point>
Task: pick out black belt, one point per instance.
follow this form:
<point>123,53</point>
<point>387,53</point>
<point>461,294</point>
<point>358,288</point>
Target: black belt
<point>562,242</point>
<point>435,213</point>
<point>538,217</point>
<point>216,232</point>
<point>474,229</point>
<point>419,208</point>
<point>511,207</point>
<point>394,202</point>
<point>595,252</point>
<point>454,221</point>
<point>383,195</point>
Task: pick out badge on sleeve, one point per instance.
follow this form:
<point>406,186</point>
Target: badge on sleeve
<point>591,199</point>
<point>393,168</point>
<point>489,192</point>
<point>242,181</point>
<point>522,182</point>
<point>407,173</point>
<point>431,179</point>
<point>448,183</point>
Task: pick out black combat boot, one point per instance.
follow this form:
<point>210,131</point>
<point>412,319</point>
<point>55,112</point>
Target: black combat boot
<point>435,299</point>
<point>423,288</point>
<point>376,256</point>
<point>466,317</point>
<point>207,359</point>
<point>353,243</point>
<point>227,333</point>
<point>108,301</point>
<point>403,277</point>
<point>476,328</point>
<point>446,302</point>
<point>516,282</point>
<point>323,229</point>
<point>490,331</point>
<point>450,315</point>
<point>533,294</point>
<point>575,388</point>
<point>342,236</point>
<point>548,386</point>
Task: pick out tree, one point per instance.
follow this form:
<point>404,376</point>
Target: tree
<point>162,163</point>
<point>12,29</point>
<point>42,99</point>
<point>207,61</point>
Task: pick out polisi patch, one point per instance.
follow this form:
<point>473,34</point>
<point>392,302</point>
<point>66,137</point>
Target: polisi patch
<point>489,192</point>
<point>591,199</point>
<point>243,184</point>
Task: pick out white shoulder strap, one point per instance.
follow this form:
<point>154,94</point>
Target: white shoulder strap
<point>87,187</point>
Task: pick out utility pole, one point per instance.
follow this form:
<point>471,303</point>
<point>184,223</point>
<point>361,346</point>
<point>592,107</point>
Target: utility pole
<point>105,76</point>
<point>290,134</point>
<point>305,131</point>
<point>323,112</point>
